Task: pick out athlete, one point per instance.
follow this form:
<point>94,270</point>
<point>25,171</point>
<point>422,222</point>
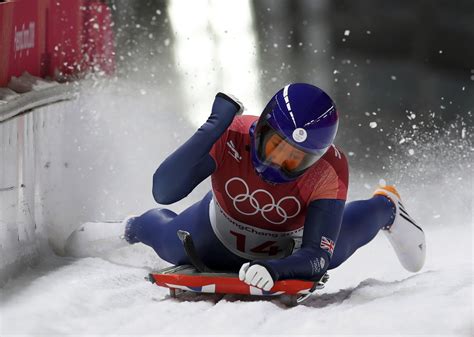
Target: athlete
<point>277,209</point>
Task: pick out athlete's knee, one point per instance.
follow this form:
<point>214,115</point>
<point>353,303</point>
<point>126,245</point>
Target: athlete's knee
<point>146,226</point>
<point>157,216</point>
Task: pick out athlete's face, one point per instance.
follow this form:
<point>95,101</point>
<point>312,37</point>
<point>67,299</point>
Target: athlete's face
<point>282,153</point>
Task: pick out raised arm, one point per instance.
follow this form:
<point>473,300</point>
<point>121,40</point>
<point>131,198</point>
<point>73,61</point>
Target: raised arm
<point>191,163</point>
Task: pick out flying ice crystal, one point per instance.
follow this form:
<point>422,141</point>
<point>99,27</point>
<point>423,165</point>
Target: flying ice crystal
<point>347,32</point>
<point>393,78</point>
<point>373,125</point>
<point>411,152</point>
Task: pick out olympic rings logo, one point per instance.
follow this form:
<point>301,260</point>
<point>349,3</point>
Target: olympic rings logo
<point>239,198</point>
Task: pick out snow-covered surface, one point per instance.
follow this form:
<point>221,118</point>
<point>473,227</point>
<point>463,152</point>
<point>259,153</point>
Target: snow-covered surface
<point>369,294</point>
<point>97,165</point>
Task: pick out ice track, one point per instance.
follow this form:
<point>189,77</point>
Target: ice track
<point>369,294</point>
<point>109,296</point>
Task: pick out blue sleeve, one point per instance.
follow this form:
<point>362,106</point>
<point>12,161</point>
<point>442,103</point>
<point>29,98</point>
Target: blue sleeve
<point>191,163</point>
<point>324,218</point>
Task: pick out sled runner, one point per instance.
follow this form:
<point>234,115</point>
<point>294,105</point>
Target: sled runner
<point>199,278</point>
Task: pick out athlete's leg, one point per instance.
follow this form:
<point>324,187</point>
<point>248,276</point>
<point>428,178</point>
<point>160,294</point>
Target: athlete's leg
<point>361,221</point>
<point>157,228</point>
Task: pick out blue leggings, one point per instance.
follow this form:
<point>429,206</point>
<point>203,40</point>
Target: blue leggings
<point>157,228</point>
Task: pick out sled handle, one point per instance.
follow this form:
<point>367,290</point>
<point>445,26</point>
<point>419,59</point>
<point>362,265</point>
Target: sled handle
<point>190,249</point>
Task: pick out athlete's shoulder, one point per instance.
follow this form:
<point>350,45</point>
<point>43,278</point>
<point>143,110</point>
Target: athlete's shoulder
<point>242,123</point>
<point>329,177</point>
<point>337,159</point>
<point>335,156</point>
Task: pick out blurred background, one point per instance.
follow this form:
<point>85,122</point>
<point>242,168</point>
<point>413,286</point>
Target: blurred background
<point>393,67</point>
<point>401,74</point>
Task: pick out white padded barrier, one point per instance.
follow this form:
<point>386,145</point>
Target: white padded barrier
<point>30,127</point>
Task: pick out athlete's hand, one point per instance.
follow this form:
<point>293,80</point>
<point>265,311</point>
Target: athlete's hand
<point>256,275</point>
<point>234,100</point>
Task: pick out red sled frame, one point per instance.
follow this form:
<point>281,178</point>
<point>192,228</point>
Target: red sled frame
<point>198,278</point>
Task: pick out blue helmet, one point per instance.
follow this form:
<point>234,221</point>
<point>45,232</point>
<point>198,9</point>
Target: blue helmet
<point>294,131</point>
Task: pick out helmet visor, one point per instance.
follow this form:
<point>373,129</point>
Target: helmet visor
<point>274,150</point>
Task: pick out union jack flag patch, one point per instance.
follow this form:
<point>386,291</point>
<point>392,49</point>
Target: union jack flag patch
<point>327,244</point>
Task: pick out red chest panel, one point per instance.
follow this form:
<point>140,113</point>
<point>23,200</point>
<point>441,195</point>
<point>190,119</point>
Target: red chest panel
<point>253,218</point>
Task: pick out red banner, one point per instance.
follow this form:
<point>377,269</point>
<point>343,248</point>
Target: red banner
<point>56,38</point>
<point>25,54</point>
<point>6,19</point>
<point>64,38</point>
<point>98,39</point>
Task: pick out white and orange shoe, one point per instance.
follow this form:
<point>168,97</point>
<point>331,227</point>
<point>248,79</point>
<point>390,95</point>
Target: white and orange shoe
<point>406,237</point>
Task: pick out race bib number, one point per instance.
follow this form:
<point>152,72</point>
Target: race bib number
<point>248,241</point>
